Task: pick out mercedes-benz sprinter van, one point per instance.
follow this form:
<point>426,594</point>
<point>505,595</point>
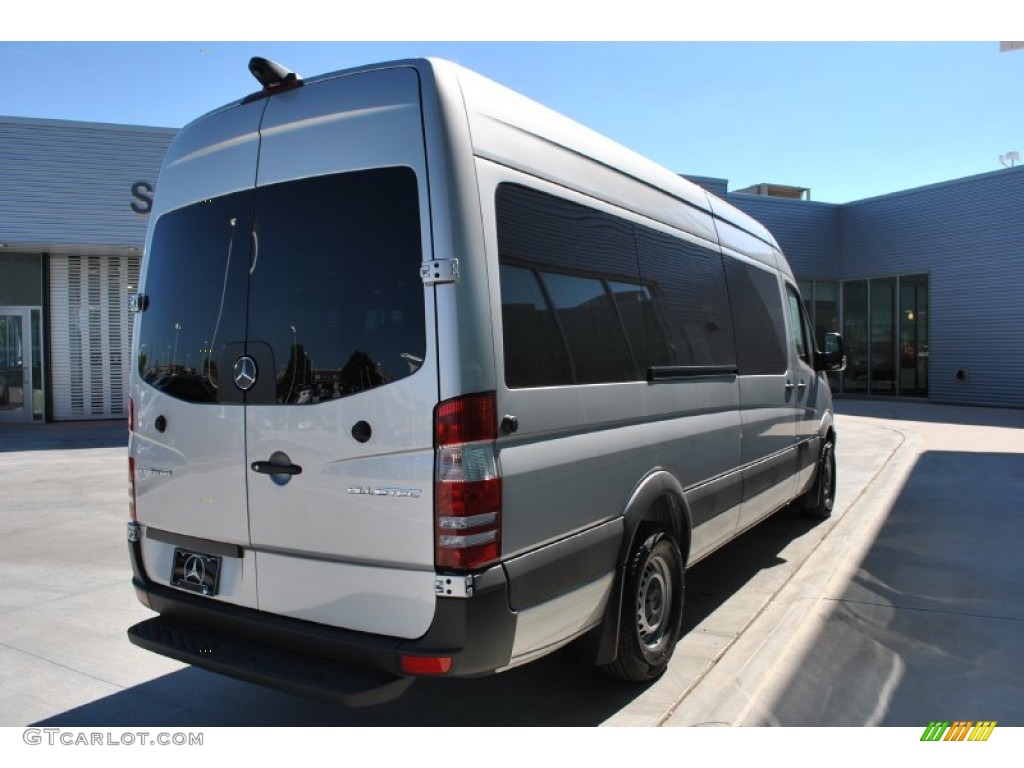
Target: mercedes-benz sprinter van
<point>429,380</point>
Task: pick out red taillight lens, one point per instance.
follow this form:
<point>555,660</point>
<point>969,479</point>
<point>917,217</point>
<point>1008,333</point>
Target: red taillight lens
<point>465,419</point>
<point>467,483</point>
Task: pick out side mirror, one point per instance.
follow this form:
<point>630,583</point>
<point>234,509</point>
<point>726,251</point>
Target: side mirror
<point>833,358</point>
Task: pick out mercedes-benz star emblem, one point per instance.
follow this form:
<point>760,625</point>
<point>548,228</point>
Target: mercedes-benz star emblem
<point>195,571</point>
<point>245,373</point>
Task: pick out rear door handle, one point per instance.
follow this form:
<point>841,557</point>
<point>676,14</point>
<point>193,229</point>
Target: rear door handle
<point>789,385</point>
<point>269,468</point>
<point>802,384</point>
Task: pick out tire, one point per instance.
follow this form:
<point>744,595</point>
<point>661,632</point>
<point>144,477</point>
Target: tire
<point>819,501</point>
<point>652,609</point>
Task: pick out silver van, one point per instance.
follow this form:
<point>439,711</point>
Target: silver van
<point>431,380</point>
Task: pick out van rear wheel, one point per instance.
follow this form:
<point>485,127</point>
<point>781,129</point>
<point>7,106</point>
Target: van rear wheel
<point>652,607</point>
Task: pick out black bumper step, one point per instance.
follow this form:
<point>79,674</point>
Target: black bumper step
<point>285,670</point>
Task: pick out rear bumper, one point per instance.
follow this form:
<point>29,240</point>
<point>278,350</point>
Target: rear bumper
<point>342,666</point>
<point>237,656</point>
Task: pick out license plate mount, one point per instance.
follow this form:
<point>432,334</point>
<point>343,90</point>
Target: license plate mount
<point>196,571</point>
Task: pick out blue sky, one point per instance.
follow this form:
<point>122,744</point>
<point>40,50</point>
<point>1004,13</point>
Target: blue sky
<point>849,120</point>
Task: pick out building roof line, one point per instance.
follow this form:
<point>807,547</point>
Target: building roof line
<point>58,123</point>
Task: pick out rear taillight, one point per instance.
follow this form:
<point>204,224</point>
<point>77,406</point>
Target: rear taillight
<point>467,483</point>
<point>131,461</point>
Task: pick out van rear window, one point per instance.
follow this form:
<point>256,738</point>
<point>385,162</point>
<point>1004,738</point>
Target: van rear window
<point>317,279</point>
<point>195,281</point>
<point>336,291</point>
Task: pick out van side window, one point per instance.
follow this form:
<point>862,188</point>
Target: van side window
<point>562,321</point>
<point>535,351</point>
<point>757,315</point>
<point>646,328</point>
<point>623,297</point>
<point>592,329</point>
<point>691,283</point>
<point>799,332</point>
<point>563,235</point>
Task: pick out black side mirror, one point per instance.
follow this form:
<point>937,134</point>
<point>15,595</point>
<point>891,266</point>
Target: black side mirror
<point>833,358</point>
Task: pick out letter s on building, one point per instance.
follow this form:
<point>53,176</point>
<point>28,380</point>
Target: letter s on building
<point>142,191</point>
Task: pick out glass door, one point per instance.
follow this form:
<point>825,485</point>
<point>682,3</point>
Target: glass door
<point>15,365</point>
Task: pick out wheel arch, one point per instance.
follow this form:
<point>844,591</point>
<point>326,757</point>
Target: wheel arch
<point>827,428</point>
<point>657,501</point>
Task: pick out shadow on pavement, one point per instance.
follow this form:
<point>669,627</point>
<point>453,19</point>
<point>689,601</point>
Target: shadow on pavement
<point>717,578</point>
<point>63,436</point>
<point>930,627</point>
<point>550,692</point>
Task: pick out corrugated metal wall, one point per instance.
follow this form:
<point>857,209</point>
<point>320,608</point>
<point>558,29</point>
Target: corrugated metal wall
<point>808,232</point>
<point>69,182</point>
<point>968,236</point>
<point>716,186</point>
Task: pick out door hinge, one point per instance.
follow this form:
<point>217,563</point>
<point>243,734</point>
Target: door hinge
<point>452,585</point>
<point>441,271</point>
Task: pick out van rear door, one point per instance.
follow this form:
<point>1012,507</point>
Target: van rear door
<point>188,443</point>
<point>339,431</point>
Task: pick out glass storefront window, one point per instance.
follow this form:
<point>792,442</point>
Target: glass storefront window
<point>883,379</point>
<point>885,331</point>
<point>855,336</point>
<point>913,322</point>
<point>37,365</point>
<point>826,310</point>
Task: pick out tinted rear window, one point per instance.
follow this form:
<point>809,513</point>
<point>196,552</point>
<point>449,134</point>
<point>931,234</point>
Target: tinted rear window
<point>336,291</point>
<point>318,278</point>
<point>195,282</point>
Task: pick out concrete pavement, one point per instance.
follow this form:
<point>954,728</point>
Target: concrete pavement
<point>911,608</point>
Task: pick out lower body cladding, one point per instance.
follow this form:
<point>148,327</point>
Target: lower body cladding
<point>515,611</point>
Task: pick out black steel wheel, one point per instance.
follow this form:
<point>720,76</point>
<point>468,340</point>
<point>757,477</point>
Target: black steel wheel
<point>652,609</point>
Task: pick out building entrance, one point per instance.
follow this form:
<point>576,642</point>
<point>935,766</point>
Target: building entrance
<point>21,394</point>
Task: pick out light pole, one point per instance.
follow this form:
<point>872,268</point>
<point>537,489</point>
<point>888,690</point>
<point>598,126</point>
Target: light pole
<point>177,330</point>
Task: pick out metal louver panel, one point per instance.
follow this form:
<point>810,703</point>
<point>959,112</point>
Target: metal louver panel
<point>90,334</point>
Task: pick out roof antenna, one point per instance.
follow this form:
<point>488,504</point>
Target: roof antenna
<point>270,74</point>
